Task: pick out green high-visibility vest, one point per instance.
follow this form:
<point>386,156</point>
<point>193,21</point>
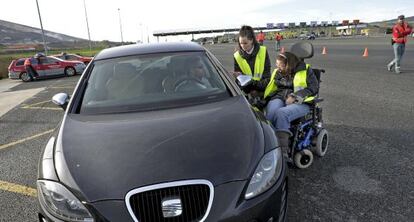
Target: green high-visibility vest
<point>258,64</point>
<point>299,82</point>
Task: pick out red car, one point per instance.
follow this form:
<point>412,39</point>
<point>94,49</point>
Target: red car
<point>46,67</point>
<point>74,57</point>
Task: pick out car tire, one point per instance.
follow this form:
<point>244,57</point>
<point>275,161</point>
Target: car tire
<point>322,142</point>
<point>70,71</point>
<point>303,159</point>
<point>25,77</point>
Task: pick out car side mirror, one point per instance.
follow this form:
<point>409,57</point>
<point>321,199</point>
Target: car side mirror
<point>61,99</point>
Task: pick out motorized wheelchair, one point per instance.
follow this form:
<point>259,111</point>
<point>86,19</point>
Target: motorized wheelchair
<point>309,135</point>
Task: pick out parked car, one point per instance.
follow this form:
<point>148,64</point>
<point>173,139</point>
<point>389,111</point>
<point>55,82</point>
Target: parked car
<point>311,36</point>
<point>48,66</point>
<point>74,57</point>
<point>144,139</point>
<point>308,36</point>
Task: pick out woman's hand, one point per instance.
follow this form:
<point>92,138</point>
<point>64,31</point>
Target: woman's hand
<point>235,74</point>
<point>290,99</point>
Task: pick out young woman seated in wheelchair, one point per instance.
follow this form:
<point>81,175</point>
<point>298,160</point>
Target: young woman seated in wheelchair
<point>291,87</point>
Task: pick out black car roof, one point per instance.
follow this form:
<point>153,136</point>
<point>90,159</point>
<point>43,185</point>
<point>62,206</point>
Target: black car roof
<point>140,49</point>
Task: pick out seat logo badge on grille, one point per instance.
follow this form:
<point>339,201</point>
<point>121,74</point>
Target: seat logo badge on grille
<point>171,207</point>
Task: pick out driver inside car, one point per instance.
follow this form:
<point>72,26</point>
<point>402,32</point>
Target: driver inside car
<point>196,78</point>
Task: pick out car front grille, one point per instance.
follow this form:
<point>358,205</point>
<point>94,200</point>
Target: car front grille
<point>146,203</point>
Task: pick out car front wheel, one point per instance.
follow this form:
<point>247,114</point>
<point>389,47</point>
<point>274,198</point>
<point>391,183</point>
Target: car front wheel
<point>70,71</point>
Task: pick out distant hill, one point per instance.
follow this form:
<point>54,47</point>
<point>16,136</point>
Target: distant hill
<point>390,23</point>
<point>13,33</point>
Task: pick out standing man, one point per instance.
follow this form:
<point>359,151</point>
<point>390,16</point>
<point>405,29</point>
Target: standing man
<point>31,72</point>
<point>400,31</point>
<point>260,38</point>
<point>278,38</point>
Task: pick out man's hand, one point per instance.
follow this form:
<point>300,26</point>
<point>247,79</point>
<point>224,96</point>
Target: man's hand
<point>290,99</point>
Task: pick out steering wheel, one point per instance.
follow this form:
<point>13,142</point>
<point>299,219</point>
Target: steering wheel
<point>188,84</point>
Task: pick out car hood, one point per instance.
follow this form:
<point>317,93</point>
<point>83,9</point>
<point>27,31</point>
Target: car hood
<point>105,156</point>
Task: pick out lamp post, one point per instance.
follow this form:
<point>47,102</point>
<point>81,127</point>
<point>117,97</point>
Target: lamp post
<point>120,26</point>
<point>147,35</point>
<point>142,33</point>
<point>41,26</point>
<point>87,26</point>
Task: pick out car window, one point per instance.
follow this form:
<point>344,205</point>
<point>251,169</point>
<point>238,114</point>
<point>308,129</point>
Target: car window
<point>71,57</point>
<point>49,60</point>
<point>152,82</point>
<point>20,62</point>
<point>34,61</point>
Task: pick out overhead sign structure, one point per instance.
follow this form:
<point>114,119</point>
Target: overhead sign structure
<point>270,25</point>
<point>313,23</point>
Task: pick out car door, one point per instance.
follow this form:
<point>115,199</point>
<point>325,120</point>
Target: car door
<point>38,67</point>
<point>52,67</point>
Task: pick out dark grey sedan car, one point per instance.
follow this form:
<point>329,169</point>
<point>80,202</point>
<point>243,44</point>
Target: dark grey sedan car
<point>160,132</point>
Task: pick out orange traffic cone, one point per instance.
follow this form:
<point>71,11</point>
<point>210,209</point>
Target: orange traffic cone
<point>365,53</point>
<point>324,51</point>
<point>282,50</point>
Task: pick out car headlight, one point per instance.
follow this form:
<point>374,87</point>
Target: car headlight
<point>266,174</point>
<point>61,203</point>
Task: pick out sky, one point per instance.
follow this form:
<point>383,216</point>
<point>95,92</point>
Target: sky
<point>140,18</point>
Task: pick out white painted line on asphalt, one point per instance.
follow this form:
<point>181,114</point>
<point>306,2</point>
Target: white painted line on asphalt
<point>35,106</point>
<point>8,100</point>
<point>6,84</point>
<point>16,188</point>
<point>48,108</point>
<point>61,87</point>
<point>4,146</point>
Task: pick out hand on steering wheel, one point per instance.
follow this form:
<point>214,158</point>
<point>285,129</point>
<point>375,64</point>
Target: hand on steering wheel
<point>186,81</point>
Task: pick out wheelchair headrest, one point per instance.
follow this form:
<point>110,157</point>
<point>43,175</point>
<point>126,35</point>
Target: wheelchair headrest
<point>303,50</point>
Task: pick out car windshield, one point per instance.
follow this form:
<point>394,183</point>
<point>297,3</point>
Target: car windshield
<point>153,81</point>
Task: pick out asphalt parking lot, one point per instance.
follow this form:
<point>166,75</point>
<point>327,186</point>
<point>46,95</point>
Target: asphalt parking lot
<point>366,175</point>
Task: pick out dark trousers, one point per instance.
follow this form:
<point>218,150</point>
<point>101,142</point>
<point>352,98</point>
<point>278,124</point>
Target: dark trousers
<point>31,72</point>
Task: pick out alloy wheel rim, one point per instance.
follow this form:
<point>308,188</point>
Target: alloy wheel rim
<point>70,71</point>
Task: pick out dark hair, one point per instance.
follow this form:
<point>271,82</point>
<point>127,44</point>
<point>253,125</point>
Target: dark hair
<point>290,60</point>
<point>248,32</point>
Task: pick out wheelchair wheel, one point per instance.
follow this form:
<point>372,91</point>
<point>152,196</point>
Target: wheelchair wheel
<point>303,159</point>
<point>322,141</point>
